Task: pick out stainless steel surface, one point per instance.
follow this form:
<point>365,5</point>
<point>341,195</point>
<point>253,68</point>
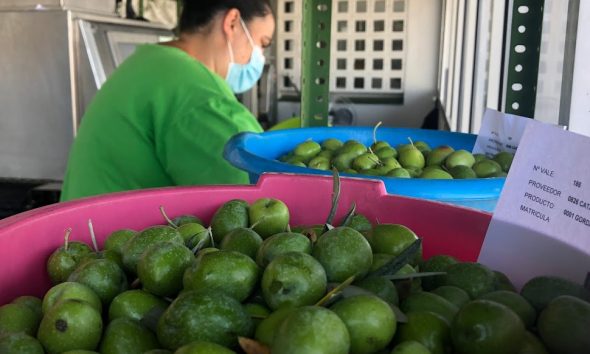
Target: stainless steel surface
<point>46,82</point>
<point>91,51</point>
<point>35,104</point>
<point>119,21</point>
<point>97,51</point>
<point>85,84</point>
<point>99,6</point>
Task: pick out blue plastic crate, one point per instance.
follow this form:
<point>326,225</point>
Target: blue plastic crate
<point>258,153</point>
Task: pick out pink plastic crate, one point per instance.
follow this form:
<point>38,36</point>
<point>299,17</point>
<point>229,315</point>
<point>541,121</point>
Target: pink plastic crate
<point>27,239</point>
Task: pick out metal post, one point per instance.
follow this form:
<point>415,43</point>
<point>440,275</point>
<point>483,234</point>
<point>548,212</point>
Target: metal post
<point>523,62</point>
<point>140,8</point>
<point>315,61</point>
<point>178,12</point>
<point>569,61</point>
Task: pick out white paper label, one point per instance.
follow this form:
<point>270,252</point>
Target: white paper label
<point>541,224</point>
<point>499,132</point>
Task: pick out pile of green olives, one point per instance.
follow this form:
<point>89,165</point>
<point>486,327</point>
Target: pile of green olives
<point>411,160</point>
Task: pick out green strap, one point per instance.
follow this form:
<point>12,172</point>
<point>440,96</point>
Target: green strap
<point>523,67</point>
<point>315,61</point>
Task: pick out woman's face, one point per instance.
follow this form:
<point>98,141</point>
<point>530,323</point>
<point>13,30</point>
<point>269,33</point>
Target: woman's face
<point>261,29</point>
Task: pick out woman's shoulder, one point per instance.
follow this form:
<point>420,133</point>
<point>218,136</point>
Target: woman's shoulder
<point>170,66</point>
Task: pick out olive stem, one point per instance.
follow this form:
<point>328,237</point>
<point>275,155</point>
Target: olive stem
<point>378,162</point>
<point>210,231</point>
<point>375,132</point>
<point>92,235</point>
<point>335,196</point>
<point>199,246</point>
<point>167,218</point>
<point>67,238</point>
<point>257,222</point>
<point>201,243</point>
<point>411,142</point>
<point>198,233</point>
<point>289,228</point>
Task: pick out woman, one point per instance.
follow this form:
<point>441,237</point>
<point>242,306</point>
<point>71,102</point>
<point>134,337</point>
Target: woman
<point>164,116</point>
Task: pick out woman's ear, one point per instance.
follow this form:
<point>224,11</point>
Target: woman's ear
<point>231,22</point>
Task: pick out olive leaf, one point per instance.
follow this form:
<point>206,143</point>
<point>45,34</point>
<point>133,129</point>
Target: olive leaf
<point>258,317</point>
<point>412,275</point>
<point>310,234</point>
<point>349,215</point>
<point>336,291</point>
<point>335,197</point>
<point>250,346</point>
<point>394,265</point>
<point>353,290</point>
<point>136,284</point>
<point>345,293</point>
<point>400,317</point>
<point>256,298</point>
<point>150,319</point>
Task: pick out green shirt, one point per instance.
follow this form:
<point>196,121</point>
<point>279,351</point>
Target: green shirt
<point>161,119</point>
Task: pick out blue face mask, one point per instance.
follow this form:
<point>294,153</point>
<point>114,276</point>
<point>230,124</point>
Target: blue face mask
<point>242,77</point>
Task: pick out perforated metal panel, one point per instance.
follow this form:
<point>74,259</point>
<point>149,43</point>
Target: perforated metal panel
<point>523,61</point>
<point>289,21</point>
<point>368,46</point>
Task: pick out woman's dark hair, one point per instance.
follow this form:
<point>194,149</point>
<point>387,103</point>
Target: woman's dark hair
<point>199,13</point>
